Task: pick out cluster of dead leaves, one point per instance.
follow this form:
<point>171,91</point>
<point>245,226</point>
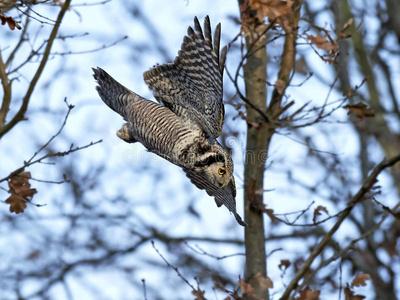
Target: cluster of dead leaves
<point>264,283</point>
<point>359,280</point>
<point>21,192</point>
<point>246,288</point>
<point>12,24</point>
<point>308,294</point>
<point>360,110</point>
<point>9,21</point>
<point>272,9</point>
<point>277,12</point>
<point>324,43</point>
<point>199,294</point>
<point>329,44</point>
<point>285,263</point>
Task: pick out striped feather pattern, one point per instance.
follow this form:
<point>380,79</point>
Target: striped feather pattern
<point>185,128</point>
<point>152,124</point>
<point>192,86</point>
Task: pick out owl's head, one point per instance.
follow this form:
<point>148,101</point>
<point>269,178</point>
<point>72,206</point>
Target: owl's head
<point>217,166</point>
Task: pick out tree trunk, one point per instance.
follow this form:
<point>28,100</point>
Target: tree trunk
<point>255,75</point>
<point>260,131</point>
<point>256,154</point>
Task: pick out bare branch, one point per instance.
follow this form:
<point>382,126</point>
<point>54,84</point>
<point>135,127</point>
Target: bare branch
<point>201,251</point>
<point>92,50</point>
<point>172,267</point>
<point>368,184</point>
<point>20,115</point>
<point>72,149</point>
<point>340,253</point>
<point>70,107</point>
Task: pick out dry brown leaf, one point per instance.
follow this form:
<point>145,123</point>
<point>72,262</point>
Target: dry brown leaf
<point>360,110</point>
<point>35,254</point>
<point>285,263</point>
<point>272,9</point>
<point>268,211</point>
<point>330,58</point>
<point>21,192</point>
<point>264,282</point>
<point>323,43</point>
<point>199,294</point>
<point>10,22</point>
<point>308,294</point>
<point>360,280</point>
<point>317,212</point>
<point>17,205</point>
<point>349,295</point>
<point>246,288</point>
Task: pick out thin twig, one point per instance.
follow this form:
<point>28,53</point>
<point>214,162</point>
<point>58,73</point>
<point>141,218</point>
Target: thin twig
<point>20,42</point>
<point>200,251</point>
<point>39,160</point>
<point>89,51</point>
<point>144,289</point>
<point>70,107</point>
<point>172,267</point>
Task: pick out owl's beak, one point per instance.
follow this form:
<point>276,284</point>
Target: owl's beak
<point>223,185</point>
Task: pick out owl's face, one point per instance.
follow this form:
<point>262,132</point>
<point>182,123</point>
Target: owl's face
<point>215,164</point>
<point>218,174</point>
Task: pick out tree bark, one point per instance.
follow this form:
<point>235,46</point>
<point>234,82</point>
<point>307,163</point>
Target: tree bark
<point>255,75</point>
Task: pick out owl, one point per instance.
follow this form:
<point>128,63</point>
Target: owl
<point>184,125</point>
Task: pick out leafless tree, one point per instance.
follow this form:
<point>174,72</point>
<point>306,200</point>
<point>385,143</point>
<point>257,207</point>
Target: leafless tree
<point>311,94</point>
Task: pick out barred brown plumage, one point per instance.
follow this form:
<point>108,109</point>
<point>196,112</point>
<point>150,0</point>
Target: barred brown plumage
<point>184,129</point>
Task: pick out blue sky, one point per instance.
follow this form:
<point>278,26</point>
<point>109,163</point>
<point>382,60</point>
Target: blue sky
<point>136,174</point>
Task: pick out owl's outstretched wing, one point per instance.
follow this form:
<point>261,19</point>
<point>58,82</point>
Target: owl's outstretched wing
<point>223,196</point>
<point>192,86</point>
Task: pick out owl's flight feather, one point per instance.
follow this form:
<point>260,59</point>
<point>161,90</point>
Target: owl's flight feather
<point>192,85</point>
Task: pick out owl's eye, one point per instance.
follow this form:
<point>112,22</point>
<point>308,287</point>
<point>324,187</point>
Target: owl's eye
<point>221,171</point>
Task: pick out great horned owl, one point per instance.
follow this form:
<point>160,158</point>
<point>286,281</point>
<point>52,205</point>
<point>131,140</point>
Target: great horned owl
<point>184,127</point>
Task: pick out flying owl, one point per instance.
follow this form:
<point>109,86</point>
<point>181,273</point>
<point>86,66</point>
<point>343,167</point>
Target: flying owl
<point>183,127</point>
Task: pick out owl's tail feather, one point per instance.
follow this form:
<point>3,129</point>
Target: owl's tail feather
<point>114,94</point>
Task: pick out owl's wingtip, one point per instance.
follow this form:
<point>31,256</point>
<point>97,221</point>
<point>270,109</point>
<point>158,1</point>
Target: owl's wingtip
<point>97,71</point>
<point>239,220</point>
